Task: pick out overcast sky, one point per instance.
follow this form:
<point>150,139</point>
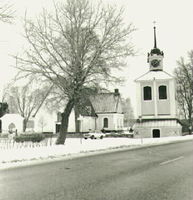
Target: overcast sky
<point>174,35</point>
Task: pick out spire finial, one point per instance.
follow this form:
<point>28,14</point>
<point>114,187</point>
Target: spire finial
<point>155,42</point>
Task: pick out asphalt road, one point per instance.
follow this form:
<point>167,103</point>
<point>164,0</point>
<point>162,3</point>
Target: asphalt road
<point>154,173</point>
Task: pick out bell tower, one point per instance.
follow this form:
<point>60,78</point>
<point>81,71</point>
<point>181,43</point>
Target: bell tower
<point>155,57</point>
<point>156,104</point>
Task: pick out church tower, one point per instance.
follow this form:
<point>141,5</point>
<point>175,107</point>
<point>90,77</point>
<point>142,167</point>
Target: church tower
<point>156,104</point>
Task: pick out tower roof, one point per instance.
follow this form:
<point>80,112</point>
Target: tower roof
<point>156,50</point>
<point>157,75</point>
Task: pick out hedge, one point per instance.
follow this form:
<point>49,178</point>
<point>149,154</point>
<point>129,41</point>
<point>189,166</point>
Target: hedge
<point>34,137</point>
<point>115,135</point>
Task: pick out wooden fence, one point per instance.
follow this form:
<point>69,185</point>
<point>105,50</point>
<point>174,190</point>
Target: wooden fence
<point>7,143</point>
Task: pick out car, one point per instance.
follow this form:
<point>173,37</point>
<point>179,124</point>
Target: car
<point>94,135</point>
<point>128,134</point>
<point>86,135</point>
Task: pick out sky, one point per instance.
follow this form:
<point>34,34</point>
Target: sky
<point>174,35</point>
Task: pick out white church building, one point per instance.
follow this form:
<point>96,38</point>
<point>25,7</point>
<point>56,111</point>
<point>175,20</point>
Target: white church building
<point>100,112</point>
<point>156,103</point>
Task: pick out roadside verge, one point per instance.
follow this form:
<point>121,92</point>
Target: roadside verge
<point>74,148</point>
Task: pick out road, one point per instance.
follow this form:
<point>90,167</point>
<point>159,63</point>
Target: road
<point>153,173</point>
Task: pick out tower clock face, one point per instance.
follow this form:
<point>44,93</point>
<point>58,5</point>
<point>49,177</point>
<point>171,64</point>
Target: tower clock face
<point>155,63</point>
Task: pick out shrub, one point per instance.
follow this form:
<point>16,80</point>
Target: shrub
<point>48,134</point>
<point>114,135</point>
<point>35,137</point>
<point>4,135</point>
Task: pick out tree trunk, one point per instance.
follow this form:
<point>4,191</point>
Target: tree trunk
<point>77,122</point>
<point>190,121</point>
<point>24,125</point>
<point>64,122</point>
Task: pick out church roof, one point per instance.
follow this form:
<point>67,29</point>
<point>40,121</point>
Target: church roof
<point>151,75</point>
<point>106,103</point>
<point>86,108</point>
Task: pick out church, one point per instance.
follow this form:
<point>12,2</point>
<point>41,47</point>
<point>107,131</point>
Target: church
<point>156,103</point>
<point>102,111</point>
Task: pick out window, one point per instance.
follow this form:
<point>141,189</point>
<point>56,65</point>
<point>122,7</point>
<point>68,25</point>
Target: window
<point>162,92</point>
<point>59,117</point>
<point>147,93</point>
<point>105,123</point>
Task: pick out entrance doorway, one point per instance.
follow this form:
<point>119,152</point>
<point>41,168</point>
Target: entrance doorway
<point>11,128</point>
<point>58,128</point>
<point>156,133</point>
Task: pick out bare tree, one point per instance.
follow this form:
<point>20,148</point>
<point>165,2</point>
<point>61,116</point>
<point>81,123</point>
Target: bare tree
<point>42,123</point>
<point>75,47</point>
<point>184,79</point>
<point>25,101</point>
<point>6,13</point>
<point>128,112</point>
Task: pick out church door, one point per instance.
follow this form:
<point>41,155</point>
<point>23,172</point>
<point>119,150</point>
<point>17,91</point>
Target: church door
<point>156,133</point>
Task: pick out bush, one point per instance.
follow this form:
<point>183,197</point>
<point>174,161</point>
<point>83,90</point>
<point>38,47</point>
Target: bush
<point>35,137</point>
<point>114,135</point>
<point>4,135</point>
<point>48,134</point>
<point>185,126</point>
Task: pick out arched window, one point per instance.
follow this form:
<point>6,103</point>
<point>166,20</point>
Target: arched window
<point>147,93</point>
<point>162,92</point>
<point>11,127</point>
<point>105,123</point>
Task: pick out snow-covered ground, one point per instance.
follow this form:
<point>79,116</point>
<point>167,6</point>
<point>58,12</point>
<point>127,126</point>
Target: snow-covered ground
<point>77,147</point>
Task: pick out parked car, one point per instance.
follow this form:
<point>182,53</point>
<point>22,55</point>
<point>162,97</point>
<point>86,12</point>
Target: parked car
<point>94,135</point>
<point>128,134</point>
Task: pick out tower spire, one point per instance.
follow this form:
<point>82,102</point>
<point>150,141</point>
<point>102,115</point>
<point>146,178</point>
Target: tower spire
<point>155,41</point>
<point>155,57</point>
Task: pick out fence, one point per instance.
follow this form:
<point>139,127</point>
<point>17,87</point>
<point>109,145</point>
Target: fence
<point>8,143</point>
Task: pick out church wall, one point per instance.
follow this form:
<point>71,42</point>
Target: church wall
<point>15,119</point>
<point>163,105</point>
<point>145,131</point>
<point>71,123</point>
<point>171,131</point>
<point>147,106</point>
<point>164,131</point>
<point>100,121</point>
<point>44,121</point>
<point>173,106</point>
<point>138,98</point>
<point>118,121</point>
<point>87,124</point>
<point>115,121</point>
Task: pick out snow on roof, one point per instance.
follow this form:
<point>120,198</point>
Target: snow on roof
<point>158,75</point>
<point>106,103</point>
<point>12,116</point>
